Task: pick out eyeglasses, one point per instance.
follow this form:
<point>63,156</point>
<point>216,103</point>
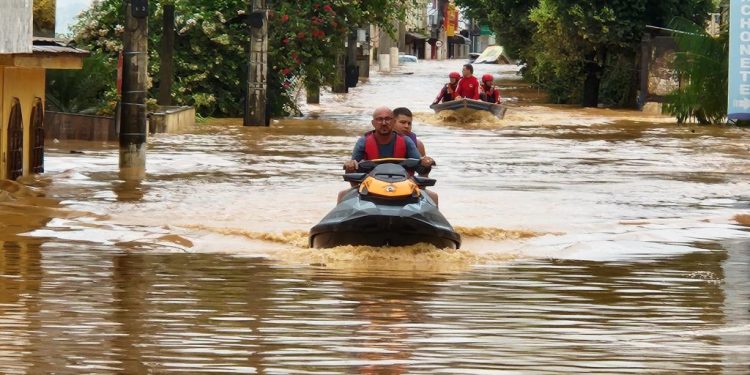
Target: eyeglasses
<point>383,119</point>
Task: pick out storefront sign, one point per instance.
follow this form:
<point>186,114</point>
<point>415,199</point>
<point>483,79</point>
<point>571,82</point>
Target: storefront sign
<point>739,60</point>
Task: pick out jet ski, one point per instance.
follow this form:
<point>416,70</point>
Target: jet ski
<point>387,207</point>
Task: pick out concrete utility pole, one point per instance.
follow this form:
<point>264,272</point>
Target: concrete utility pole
<point>257,70</point>
<point>133,112</point>
<point>384,51</point>
<point>339,80</point>
<point>166,69</point>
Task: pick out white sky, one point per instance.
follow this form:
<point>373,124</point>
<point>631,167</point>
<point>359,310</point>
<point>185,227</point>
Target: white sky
<point>67,10</point>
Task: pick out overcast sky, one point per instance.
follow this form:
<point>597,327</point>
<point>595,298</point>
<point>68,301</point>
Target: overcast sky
<point>67,10</point>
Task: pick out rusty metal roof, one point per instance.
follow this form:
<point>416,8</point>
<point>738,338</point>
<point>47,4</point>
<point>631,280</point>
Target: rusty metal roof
<point>56,47</point>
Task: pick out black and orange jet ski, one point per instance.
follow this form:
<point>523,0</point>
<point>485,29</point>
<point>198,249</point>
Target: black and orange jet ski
<point>387,207</point>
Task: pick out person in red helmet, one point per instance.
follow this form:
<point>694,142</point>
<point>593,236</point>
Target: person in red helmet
<point>468,86</point>
<point>489,92</point>
<point>448,91</point>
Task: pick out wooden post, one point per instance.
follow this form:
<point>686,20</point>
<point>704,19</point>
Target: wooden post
<point>133,113</point>
<point>166,69</point>
<point>257,83</point>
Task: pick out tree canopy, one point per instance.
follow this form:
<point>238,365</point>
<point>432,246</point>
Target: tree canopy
<point>571,46</point>
<point>211,40</point>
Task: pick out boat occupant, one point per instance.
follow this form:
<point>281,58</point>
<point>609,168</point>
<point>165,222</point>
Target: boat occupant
<point>448,91</point>
<point>489,92</point>
<point>468,86</point>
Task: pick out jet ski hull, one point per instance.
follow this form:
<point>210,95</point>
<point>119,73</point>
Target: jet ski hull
<point>469,105</point>
<point>368,221</point>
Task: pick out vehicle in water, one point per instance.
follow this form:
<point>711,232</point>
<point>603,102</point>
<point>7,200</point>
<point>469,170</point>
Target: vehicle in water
<point>469,105</point>
<point>387,207</point>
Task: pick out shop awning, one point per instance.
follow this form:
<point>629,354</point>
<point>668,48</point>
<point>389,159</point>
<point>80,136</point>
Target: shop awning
<point>413,35</point>
<point>460,39</point>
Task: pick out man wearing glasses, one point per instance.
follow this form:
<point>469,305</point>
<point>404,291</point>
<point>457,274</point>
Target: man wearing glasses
<point>383,142</point>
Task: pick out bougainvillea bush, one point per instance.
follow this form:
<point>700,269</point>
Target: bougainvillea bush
<point>212,39</point>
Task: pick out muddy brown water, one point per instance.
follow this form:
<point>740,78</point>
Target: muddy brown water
<point>595,241</point>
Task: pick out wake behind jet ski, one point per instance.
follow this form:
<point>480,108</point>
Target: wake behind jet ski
<point>389,207</point>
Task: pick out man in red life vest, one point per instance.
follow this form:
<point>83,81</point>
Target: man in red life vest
<point>448,91</point>
<point>468,86</point>
<point>383,142</point>
<point>489,92</point>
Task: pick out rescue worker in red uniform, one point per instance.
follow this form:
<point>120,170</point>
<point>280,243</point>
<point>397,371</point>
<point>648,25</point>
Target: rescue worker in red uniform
<point>468,86</point>
<point>448,91</point>
<point>489,92</point>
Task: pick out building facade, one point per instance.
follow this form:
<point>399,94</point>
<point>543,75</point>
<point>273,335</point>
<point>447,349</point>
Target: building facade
<point>24,60</point>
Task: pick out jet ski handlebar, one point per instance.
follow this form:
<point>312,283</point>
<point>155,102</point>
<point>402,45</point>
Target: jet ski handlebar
<point>412,165</point>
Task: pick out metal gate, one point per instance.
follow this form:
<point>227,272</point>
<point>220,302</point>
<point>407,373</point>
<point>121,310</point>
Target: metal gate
<point>36,156</point>
<point>15,141</point>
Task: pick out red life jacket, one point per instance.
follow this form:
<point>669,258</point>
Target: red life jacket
<point>492,94</point>
<point>371,147</point>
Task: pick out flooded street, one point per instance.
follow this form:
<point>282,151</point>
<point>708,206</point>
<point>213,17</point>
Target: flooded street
<point>594,241</point>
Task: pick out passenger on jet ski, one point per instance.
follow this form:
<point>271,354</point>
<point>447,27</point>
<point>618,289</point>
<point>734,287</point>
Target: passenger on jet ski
<point>403,119</point>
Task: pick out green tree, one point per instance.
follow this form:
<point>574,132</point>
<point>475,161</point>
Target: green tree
<point>570,46</point>
<point>702,64</point>
<point>212,37</point>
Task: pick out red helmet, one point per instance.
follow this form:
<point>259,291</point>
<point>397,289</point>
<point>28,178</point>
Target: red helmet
<point>454,75</point>
<point>487,77</point>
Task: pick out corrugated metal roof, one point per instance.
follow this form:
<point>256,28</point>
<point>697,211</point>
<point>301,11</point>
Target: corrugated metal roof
<point>56,47</point>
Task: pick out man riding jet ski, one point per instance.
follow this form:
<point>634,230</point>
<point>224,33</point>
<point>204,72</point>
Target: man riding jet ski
<point>386,205</point>
<point>388,208</point>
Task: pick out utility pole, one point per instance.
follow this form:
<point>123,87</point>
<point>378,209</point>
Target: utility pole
<point>257,70</point>
<point>166,68</point>
<point>133,112</point>
<point>339,79</point>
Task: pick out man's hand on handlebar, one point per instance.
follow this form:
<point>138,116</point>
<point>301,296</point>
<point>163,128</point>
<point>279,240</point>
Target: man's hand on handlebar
<point>351,166</point>
<point>426,161</point>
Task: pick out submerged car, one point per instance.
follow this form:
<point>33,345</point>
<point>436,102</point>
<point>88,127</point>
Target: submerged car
<point>402,59</point>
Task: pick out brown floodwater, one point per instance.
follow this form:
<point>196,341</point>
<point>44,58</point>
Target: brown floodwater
<point>595,241</point>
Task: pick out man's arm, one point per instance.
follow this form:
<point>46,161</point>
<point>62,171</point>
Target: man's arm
<point>459,90</point>
<point>420,147</point>
<point>357,154</point>
<point>440,95</point>
<point>412,152</point>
